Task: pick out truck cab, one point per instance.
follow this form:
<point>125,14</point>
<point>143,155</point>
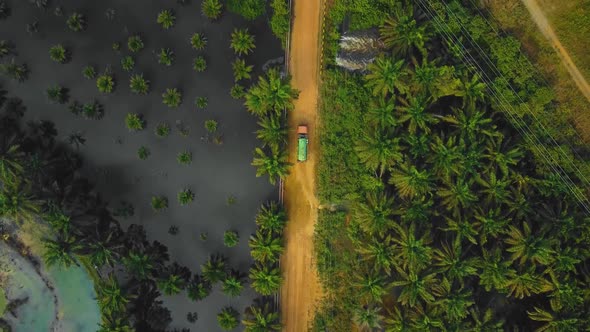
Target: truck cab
<point>302,143</point>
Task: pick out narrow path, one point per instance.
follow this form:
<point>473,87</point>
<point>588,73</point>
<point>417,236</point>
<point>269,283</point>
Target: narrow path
<point>541,20</point>
<point>301,290</point>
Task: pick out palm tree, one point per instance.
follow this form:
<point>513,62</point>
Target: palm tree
<point>211,9</point>
<point>446,157</point>
<point>462,227</point>
<point>76,22</point>
<point>495,189</point>
<point>524,284</point>
<point>198,288</point>
<point>198,41</point>
<point>166,57</point>
<point>57,94</point>
<point>454,303</point>
<point>275,164</point>
<point>111,297</point>
<point>385,76</point>
<point>59,54</point>
<point>486,323</point>
<point>242,42</point>
<point>139,85</point>
<point>214,269</point>
<point>502,155</point>
<point>472,125</point>
<point>199,64</point>
<point>271,217</point>
<point>397,320</point>
<point>76,139</point>
<point>135,43</point>
<point>241,70</point>
<point>368,318</point>
<point>379,150</point>
<point>172,97</point>
<point>17,72</point>
<point>414,111</point>
<point>495,272</point>
<point>457,194</point>
<point>260,318</point>
<point>114,323</point>
<point>172,284</point>
<point>415,287</point>
<point>233,284</point>
<point>16,202</point>
<point>412,250</point>
<point>492,223</point>
<point>471,90</point>
<point>375,214</point>
<point>402,33</point>
<point>554,322</point>
<point>266,279</point>
<point>450,261</point>
<point>381,113</point>
<point>370,286</point>
<point>228,318</point>
<point>105,83</point>
<point>59,222</point>
<point>272,132</point>
<point>166,19</point>
<point>524,245</point>
<point>10,163</point>
<point>427,318</point>
<point>410,181</point>
<point>139,265</point>
<point>271,93</point>
<point>61,251</point>
<point>380,252</point>
<point>265,246</point>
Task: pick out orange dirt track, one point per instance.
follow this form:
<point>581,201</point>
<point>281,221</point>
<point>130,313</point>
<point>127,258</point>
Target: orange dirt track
<point>301,289</point>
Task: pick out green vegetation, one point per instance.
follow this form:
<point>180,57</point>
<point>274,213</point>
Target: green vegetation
<point>6,48</point>
<point>17,72</point>
<point>446,217</point>
<point>134,122</point>
<point>228,318</point>
<point>201,102</point>
<point>214,270</point>
<point>159,203</point>
<point>211,9</point>
<point>233,284</point>
<point>135,43</point>
<point>166,57</point>
<point>127,63</point>
<point>59,54</point>
<point>143,153</point>
<point>184,158</point>
<point>249,9</point>
<point>260,317</point>
<point>92,110</point>
<point>162,130</point>
<point>199,64</point>
<point>172,97</point>
<point>242,42</point>
<point>241,70</point>
<point>186,196</point>
<point>105,83</point>
<point>211,126</point>
<point>57,94</point>
<point>237,91</point>
<point>76,22</point>
<point>166,19</point>
<point>89,72</point>
<point>280,20</point>
<point>230,239</point>
<point>139,85</point>
<point>271,94</point>
<point>198,41</point>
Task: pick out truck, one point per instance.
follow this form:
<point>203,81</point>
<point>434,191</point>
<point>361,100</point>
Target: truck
<point>302,142</point>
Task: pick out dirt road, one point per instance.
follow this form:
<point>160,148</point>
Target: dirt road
<point>545,27</point>
<point>301,289</point>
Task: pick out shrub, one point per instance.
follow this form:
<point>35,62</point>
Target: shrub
<point>186,196</point>
<point>139,85</point>
<point>242,42</point>
<point>166,19</point>
<point>135,44</point>
<point>162,130</point>
<point>89,72</point>
<point>57,94</point>
<point>201,102</point>
<point>116,46</point>
<point>76,22</point>
<point>237,91</point>
<point>134,122</point>
<point>249,9</point>
<point>105,83</point>
<point>17,72</point>
<point>280,20</point>
<point>230,239</point>
<point>59,54</point>
<point>211,126</point>
<point>184,158</point>
<point>199,64</point>
<point>241,70</point>
<point>211,9</point>
<point>159,203</point>
<point>166,57</point>
<point>127,63</point>
<point>172,97</point>
<point>231,200</point>
<point>198,41</point>
<point>228,318</point>
<point>93,110</point>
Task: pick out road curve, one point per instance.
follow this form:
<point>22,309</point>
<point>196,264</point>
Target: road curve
<point>301,289</point>
<point>543,23</point>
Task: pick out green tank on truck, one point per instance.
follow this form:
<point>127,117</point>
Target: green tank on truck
<point>302,142</point>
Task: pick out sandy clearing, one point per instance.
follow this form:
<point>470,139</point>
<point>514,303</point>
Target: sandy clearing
<point>301,289</point>
<point>543,23</point>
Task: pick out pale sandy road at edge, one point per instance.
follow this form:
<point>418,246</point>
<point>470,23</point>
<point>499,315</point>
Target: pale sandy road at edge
<point>301,290</point>
<point>545,27</point>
